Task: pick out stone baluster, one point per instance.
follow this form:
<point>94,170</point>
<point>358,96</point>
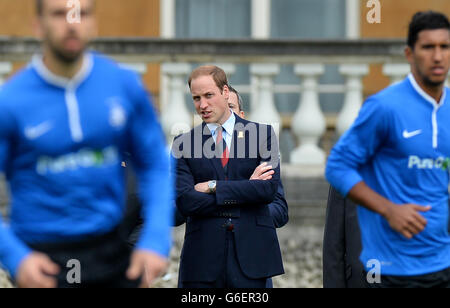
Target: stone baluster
<point>264,109</point>
<point>309,123</point>
<point>396,71</point>
<point>353,96</point>
<point>5,69</point>
<point>175,117</point>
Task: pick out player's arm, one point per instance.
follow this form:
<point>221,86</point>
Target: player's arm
<point>405,218</point>
<point>150,161</point>
<point>27,268</point>
<point>355,149</point>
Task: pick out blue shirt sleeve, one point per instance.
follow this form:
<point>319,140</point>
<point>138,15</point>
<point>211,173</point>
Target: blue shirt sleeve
<point>150,159</point>
<point>12,250</point>
<point>356,147</point>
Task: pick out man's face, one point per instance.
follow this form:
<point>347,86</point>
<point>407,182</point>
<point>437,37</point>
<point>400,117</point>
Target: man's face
<point>233,104</point>
<point>430,57</point>
<point>210,102</point>
<point>66,39</point>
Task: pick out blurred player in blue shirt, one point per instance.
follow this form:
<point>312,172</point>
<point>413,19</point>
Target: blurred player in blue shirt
<point>66,122</point>
<point>394,162</point>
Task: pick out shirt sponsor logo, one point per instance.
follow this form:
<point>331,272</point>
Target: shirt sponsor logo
<point>84,158</point>
<point>428,163</point>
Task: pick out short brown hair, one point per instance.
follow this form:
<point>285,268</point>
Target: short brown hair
<point>218,75</point>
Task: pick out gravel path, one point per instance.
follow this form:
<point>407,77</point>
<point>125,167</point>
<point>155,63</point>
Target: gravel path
<point>302,256</point>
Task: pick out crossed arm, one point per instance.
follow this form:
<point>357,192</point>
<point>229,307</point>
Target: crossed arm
<point>196,200</point>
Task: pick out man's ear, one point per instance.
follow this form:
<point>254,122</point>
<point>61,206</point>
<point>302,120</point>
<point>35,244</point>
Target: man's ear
<point>409,53</point>
<point>38,27</point>
<point>226,92</point>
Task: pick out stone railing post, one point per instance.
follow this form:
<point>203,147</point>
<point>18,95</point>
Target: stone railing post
<point>264,109</point>
<point>5,69</point>
<point>175,117</point>
<point>309,122</point>
<point>353,96</point>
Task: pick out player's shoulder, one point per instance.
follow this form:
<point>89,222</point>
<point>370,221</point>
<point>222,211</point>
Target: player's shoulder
<point>108,65</point>
<point>391,97</point>
<point>13,89</point>
<point>447,94</point>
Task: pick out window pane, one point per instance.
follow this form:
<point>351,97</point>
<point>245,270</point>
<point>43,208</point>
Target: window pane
<point>213,18</point>
<point>308,19</point>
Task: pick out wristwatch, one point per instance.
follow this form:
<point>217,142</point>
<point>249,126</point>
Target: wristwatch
<point>212,187</point>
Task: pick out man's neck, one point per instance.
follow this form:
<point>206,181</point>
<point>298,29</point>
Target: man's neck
<point>435,92</point>
<point>60,68</point>
<point>227,118</point>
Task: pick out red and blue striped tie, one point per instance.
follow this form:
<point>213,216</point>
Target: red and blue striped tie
<point>220,142</point>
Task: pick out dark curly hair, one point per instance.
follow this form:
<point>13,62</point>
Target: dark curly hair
<point>428,20</point>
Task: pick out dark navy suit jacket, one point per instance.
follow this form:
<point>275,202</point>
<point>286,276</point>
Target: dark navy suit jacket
<point>342,244</point>
<point>244,201</point>
<point>278,210</point>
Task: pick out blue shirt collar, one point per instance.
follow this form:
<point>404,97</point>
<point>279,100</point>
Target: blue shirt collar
<point>427,97</point>
<point>38,64</point>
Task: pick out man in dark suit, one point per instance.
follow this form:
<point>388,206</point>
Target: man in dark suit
<point>279,207</point>
<point>342,244</point>
<point>230,239</point>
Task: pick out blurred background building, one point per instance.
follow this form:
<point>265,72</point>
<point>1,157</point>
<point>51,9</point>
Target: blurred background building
<point>304,66</point>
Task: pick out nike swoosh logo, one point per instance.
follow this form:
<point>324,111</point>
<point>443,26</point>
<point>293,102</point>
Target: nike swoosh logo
<point>38,131</point>
<point>408,135</point>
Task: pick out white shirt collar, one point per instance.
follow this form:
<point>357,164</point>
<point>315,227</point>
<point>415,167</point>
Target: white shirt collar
<point>228,126</point>
<point>59,81</point>
<point>422,93</point>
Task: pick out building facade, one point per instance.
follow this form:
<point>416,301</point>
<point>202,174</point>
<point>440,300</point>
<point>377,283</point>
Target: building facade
<point>273,92</point>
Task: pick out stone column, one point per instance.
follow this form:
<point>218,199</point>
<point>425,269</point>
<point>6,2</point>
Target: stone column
<point>5,69</point>
<point>353,96</point>
<point>309,122</point>
<point>396,71</point>
<point>264,109</point>
<point>175,117</point>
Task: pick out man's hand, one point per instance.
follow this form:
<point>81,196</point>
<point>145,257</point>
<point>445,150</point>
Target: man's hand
<point>147,265</point>
<point>36,271</point>
<point>262,172</point>
<point>202,187</point>
<point>406,218</point>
